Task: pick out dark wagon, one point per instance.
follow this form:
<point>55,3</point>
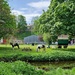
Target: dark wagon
<point>63,41</point>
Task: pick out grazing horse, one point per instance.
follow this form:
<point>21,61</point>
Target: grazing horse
<point>13,45</point>
<point>39,47</point>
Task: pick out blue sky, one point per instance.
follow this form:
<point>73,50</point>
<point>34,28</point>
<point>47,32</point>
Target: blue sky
<point>28,8</point>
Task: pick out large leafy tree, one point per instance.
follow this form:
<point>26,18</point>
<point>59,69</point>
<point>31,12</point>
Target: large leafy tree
<point>22,25</point>
<point>65,15</point>
<point>58,19</point>
<point>7,21</point>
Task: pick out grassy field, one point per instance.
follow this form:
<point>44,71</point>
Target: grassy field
<point>19,67</point>
<point>51,54</point>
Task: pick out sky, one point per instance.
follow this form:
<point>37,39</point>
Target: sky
<point>28,8</point>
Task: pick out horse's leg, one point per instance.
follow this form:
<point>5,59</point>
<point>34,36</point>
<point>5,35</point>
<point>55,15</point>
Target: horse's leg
<point>18,47</point>
<point>43,46</point>
<point>13,47</point>
<point>37,50</point>
<point>44,49</point>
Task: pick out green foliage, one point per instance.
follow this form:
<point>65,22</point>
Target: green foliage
<point>9,23</point>
<point>64,13</point>
<point>36,27</point>
<point>23,68</point>
<point>18,68</point>
<point>58,19</point>
<point>34,19</point>
<point>22,25</point>
<point>23,35</point>
<point>47,38</point>
<point>60,71</point>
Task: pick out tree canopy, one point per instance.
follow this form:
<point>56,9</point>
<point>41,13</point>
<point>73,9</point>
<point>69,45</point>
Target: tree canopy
<point>58,19</point>
<point>22,25</point>
<point>8,22</point>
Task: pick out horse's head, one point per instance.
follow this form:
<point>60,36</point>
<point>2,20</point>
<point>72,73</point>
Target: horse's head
<point>43,46</point>
<point>11,43</point>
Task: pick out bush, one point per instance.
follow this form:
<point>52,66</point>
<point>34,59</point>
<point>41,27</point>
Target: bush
<point>18,68</point>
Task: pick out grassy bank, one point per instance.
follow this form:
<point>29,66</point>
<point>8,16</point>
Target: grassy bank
<point>18,68</point>
<point>60,71</point>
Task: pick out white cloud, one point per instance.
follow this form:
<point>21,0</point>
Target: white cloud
<point>40,4</point>
<point>16,12</point>
<point>23,8</point>
<point>34,10</point>
<point>28,16</point>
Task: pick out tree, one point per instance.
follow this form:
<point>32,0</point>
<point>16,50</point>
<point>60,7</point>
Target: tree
<point>39,24</point>
<point>47,38</point>
<point>58,19</point>
<point>34,19</point>
<point>8,24</point>
<point>22,25</point>
<point>65,13</point>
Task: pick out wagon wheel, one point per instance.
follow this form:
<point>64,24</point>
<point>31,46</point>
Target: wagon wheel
<point>59,46</point>
<point>65,46</point>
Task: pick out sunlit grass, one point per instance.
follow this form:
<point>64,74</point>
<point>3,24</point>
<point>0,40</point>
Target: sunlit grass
<point>51,54</point>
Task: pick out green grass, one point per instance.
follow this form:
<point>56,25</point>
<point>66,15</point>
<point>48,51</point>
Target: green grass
<point>60,71</point>
<point>19,68</point>
<point>8,54</point>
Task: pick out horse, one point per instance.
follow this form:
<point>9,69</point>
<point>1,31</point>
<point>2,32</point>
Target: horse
<point>15,44</point>
<point>40,46</point>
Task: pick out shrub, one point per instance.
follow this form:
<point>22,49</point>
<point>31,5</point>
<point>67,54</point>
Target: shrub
<point>18,68</point>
